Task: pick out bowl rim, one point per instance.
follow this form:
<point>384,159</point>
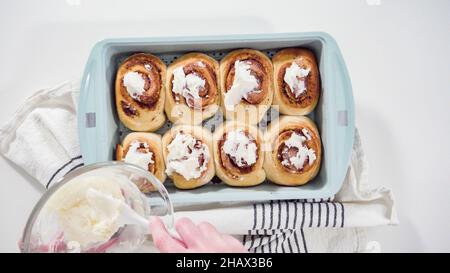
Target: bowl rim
<point>27,231</point>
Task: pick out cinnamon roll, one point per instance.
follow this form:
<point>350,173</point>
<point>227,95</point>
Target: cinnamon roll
<point>192,92</point>
<point>145,151</point>
<point>246,81</point>
<point>293,151</point>
<point>297,82</point>
<point>238,154</point>
<point>188,155</point>
<point>140,92</point>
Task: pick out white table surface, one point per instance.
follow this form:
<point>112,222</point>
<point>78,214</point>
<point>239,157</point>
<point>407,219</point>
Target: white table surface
<point>397,53</point>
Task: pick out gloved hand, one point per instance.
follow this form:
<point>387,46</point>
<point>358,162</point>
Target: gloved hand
<point>194,238</point>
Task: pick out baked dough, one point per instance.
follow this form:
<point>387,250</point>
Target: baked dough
<point>185,109</point>
<point>227,168</point>
<point>278,132</point>
<point>143,112</point>
<point>251,109</point>
<point>200,134</point>
<point>153,144</point>
<point>298,102</point>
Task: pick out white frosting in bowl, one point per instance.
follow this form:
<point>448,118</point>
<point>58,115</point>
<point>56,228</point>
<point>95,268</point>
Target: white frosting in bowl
<point>83,219</point>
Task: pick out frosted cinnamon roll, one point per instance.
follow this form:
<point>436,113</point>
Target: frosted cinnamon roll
<point>188,155</point>
<point>145,151</point>
<point>238,154</point>
<point>246,81</point>
<point>297,82</point>
<point>192,93</point>
<point>140,92</point>
<point>293,151</point>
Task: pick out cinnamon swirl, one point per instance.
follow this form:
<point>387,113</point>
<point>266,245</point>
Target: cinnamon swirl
<point>192,92</point>
<point>140,92</point>
<point>246,81</point>
<point>238,154</point>
<point>293,151</point>
<point>297,82</point>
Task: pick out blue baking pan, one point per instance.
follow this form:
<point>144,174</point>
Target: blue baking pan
<point>100,129</point>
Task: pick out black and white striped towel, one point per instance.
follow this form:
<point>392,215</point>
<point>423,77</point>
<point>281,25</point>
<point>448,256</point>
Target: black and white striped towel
<point>42,139</point>
<point>278,226</point>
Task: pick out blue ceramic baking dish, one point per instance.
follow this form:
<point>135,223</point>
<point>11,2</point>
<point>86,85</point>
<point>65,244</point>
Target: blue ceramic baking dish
<point>100,129</point>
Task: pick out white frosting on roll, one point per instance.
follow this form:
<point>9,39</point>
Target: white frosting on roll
<point>134,84</point>
<point>187,86</point>
<point>306,133</point>
<point>140,158</point>
<point>183,157</point>
<point>243,84</point>
<point>240,147</point>
<point>303,153</point>
<point>295,78</point>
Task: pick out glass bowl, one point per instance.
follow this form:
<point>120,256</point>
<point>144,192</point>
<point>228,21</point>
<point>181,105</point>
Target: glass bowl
<point>60,221</point>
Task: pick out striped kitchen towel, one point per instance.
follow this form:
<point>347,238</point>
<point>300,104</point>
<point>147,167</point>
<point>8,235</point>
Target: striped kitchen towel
<point>42,139</point>
<point>279,225</point>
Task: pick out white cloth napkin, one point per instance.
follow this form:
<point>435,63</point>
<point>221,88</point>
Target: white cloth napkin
<point>42,136</point>
<point>42,139</point>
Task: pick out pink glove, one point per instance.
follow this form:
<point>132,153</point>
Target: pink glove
<point>194,238</point>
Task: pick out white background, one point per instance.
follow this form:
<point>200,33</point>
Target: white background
<point>397,53</point>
